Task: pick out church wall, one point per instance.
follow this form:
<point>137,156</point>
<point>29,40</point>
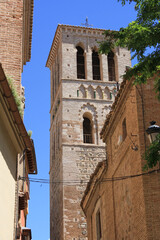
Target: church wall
<point>122,208</point>
<point>55,76</point>
<point>72,123</point>
<point>128,208</point>
<point>88,40</point>
<point>71,160</point>
<point>123,160</point>
<point>79,163</point>
<point>56,170</point>
<point>75,106</point>
<point>148,108</point>
<point>79,159</point>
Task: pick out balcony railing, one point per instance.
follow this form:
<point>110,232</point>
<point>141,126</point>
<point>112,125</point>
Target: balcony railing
<point>87,138</point>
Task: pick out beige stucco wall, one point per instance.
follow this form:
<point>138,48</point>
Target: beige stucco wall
<point>8,154</point>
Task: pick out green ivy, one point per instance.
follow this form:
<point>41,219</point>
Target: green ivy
<point>30,133</point>
<point>152,155</point>
<point>15,95</point>
<point>139,36</point>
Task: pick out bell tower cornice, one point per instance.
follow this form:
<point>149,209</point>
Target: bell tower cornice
<point>78,30</point>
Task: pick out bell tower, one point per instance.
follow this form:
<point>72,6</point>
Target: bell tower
<point>83,88</point>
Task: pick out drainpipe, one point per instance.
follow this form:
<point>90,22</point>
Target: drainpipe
<point>17,207</point>
<point>114,210</point>
<point>18,178</point>
<point>24,154</point>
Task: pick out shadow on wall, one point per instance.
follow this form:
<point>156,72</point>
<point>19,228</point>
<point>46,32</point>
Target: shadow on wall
<point>7,151</point>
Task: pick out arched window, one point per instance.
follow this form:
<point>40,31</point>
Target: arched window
<point>111,67</point>
<point>124,129</point>
<point>80,63</point>
<point>95,65</point>
<point>87,130</point>
<point>98,225</point>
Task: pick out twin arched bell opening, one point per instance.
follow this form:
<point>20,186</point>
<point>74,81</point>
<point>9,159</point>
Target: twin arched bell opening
<point>96,72</point>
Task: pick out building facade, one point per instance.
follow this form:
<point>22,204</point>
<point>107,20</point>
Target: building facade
<point>17,157</point>
<point>16,17</point>
<point>83,87</point>
<point>121,200</point>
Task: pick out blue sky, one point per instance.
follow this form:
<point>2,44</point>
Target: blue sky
<point>108,14</point>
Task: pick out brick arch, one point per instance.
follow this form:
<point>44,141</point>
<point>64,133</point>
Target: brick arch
<point>82,91</point>
<point>106,110</point>
<point>107,93</point>
<point>114,93</point>
<point>80,44</point>
<point>99,94</point>
<point>90,110</point>
<point>94,46</point>
<point>90,92</point>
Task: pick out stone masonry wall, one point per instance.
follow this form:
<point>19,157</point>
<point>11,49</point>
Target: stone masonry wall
<point>72,161</point>
<point>79,162</point>
<point>56,177</point>
<point>88,40</point>
<point>11,19</point>
<point>79,159</point>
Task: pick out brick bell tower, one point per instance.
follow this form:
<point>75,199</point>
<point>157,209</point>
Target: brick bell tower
<point>83,87</point>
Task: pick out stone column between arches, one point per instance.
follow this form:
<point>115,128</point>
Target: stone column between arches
<point>104,65</point>
<point>89,74</point>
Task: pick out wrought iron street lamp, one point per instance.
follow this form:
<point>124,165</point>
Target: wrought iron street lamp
<point>153,131</point>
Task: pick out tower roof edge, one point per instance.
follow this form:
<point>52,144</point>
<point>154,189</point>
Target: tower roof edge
<point>55,42</point>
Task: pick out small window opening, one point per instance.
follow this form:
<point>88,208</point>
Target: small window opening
<point>111,67</point>
<point>80,63</point>
<point>124,129</point>
<point>87,131</point>
<point>98,225</point>
<point>95,66</point>
<point>54,147</point>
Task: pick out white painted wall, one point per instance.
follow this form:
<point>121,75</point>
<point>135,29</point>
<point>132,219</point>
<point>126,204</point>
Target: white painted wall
<point>7,181</point>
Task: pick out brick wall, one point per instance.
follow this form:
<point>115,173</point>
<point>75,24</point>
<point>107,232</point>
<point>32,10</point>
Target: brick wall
<point>127,195</point>
<point>79,162</point>
<point>129,207</point>
<point>71,160</point>
<point>11,23</point>
<point>148,110</point>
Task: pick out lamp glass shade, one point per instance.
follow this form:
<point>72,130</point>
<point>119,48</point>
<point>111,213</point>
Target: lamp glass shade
<point>152,137</point>
<point>153,131</point>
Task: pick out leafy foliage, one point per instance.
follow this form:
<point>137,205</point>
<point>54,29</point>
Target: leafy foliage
<point>142,38</point>
<point>152,155</point>
<point>15,95</point>
<point>29,133</point>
